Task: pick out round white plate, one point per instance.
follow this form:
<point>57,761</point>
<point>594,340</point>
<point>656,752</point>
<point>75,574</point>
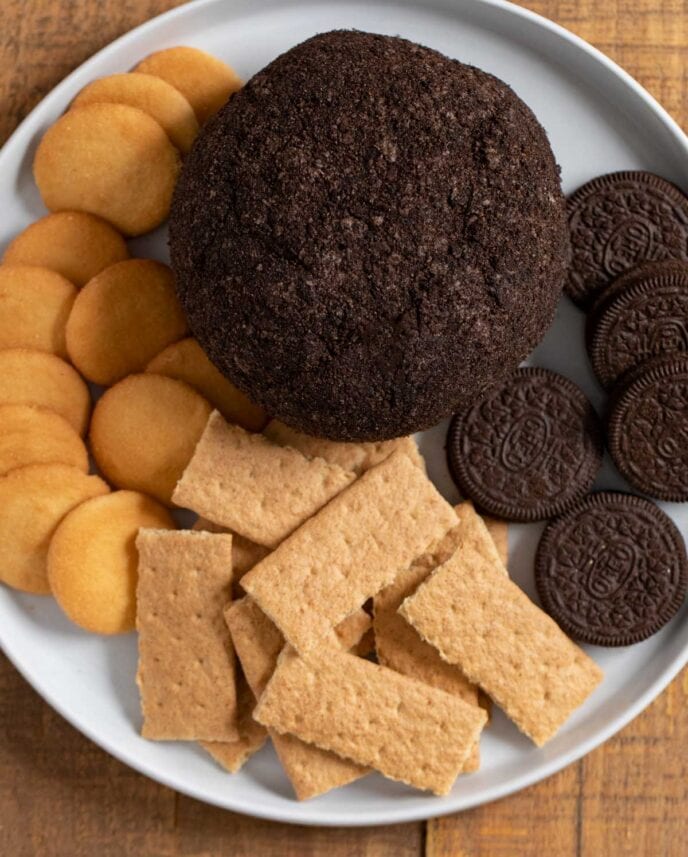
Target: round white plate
<point>598,120</point>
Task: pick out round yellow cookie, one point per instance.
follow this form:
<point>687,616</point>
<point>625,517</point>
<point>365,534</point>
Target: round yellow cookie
<point>72,243</point>
<point>151,94</point>
<point>122,318</point>
<point>186,361</point>
<point>205,81</point>
<point>36,378</point>
<point>111,160</point>
<point>34,307</point>
<point>93,561</point>
<point>144,431</point>
<point>34,500</point>
<point>31,435</point>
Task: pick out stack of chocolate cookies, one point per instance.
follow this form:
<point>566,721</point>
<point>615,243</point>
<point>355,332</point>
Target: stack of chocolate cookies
<point>629,234</point>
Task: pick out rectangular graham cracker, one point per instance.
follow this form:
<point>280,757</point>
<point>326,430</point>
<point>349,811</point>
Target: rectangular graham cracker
<point>186,659</point>
<point>254,487</point>
<point>362,711</point>
<point>245,554</point>
<point>258,643</point>
<point>349,550</point>
<point>398,644</point>
<point>232,755</point>
<point>480,620</point>
<point>358,457</point>
<point>499,531</point>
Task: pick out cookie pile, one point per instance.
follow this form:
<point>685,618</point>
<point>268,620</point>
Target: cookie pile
<point>629,234</point>
<point>613,570</point>
<point>79,314</point>
<point>116,153</point>
<point>288,551</point>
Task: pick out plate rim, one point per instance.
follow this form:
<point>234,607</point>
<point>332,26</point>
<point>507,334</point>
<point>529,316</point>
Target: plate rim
<point>302,813</point>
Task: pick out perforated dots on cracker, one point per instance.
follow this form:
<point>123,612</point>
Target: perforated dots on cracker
<point>204,80</point>
<point>34,307</point>
<point>111,160</point>
<point>122,318</point>
<point>34,500</point>
<point>186,361</point>
<point>144,431</point>
<point>74,244</point>
<point>31,435</point>
<point>149,93</point>
<point>92,561</point>
<point>36,378</point>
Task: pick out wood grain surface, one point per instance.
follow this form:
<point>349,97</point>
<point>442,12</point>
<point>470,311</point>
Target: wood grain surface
<point>61,796</point>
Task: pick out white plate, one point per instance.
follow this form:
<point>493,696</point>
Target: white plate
<point>598,120</point>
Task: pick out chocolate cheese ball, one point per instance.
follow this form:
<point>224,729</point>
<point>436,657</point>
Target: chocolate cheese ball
<point>368,235</point>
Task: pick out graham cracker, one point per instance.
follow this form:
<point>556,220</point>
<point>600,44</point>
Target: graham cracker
<point>480,620</point>
<point>398,644</point>
<point>253,487</point>
<point>362,711</point>
<point>499,532</point>
<point>349,550</point>
<point>358,457</point>
<point>245,554</point>
<point>311,770</point>
<point>258,643</point>
<point>186,659</point>
<point>232,755</point>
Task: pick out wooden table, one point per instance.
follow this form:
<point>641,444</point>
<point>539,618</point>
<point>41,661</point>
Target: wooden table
<point>61,796</point>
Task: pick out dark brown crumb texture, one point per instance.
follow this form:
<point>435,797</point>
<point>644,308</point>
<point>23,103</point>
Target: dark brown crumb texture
<point>368,235</point>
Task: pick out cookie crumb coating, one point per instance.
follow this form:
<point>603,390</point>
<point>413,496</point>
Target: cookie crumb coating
<point>367,235</point>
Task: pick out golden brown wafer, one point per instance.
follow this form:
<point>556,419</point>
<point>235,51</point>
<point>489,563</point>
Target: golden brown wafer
<point>122,318</point>
<point>111,160</point>
<point>186,361</point>
<point>31,435</point>
<point>34,307</point>
<point>75,244</point>
<point>34,499</point>
<point>144,431</point>
<point>92,560</point>
<point>205,81</point>
<point>186,675</point>
<point>36,378</point>
<point>149,93</point>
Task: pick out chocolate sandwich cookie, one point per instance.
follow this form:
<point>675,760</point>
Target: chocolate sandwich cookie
<point>528,449</point>
<point>625,281</point>
<point>613,570</point>
<point>648,427</point>
<point>645,319</point>
<point>618,221</point>
<point>363,217</point>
